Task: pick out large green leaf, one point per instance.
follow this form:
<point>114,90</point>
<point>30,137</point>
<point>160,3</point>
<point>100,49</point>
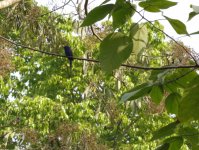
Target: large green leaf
<point>122,13</point>
<point>156,5</point>
<point>156,94</point>
<point>189,106</point>
<point>137,92</point>
<point>165,131</point>
<point>98,13</point>
<point>177,25</point>
<point>114,49</point>
<point>172,103</point>
<point>139,35</point>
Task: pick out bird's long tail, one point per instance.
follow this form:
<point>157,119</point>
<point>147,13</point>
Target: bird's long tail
<point>70,65</point>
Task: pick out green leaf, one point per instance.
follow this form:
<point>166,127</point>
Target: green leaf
<point>158,75</point>
<point>165,131</point>
<point>114,49</point>
<point>177,25</point>
<point>191,15</point>
<point>197,32</point>
<point>156,5</point>
<point>139,35</point>
<point>156,94</point>
<point>98,13</point>
<point>189,106</point>
<point>191,135</point>
<point>175,143</point>
<point>122,13</point>
<point>137,92</point>
<point>172,103</point>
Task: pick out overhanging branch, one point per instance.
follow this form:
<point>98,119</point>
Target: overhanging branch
<point>97,61</point>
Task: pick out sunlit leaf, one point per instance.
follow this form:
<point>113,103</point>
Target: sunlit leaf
<point>139,35</point>
<point>156,94</point>
<point>172,103</point>
<point>191,15</point>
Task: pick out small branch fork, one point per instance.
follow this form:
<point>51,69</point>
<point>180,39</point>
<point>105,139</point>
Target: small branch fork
<point>142,16</point>
<point>96,61</point>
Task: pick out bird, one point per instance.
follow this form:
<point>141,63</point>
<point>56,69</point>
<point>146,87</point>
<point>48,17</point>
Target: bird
<point>69,55</point>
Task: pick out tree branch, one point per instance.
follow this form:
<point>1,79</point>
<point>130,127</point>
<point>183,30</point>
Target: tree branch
<point>56,9</point>
<point>86,13</point>
<point>97,61</point>
<point>167,36</point>
<point>183,75</point>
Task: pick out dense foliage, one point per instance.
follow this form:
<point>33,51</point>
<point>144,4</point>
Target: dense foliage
<point>149,102</point>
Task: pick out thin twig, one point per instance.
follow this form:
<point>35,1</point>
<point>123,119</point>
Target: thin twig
<point>97,61</point>
<point>166,35</point>
<point>183,75</point>
<point>55,9</point>
<point>92,29</point>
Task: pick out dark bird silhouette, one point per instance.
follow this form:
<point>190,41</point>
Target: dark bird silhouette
<point>69,54</point>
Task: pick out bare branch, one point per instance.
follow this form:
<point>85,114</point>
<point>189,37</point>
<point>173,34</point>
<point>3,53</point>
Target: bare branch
<point>97,61</point>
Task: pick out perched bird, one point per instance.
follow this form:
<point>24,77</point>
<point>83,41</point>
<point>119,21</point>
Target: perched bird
<point>69,54</point>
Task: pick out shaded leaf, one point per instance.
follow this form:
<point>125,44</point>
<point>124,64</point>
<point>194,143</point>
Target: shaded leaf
<point>177,25</point>
<point>191,15</point>
<point>189,106</point>
<point>175,143</point>
<point>122,13</point>
<point>172,103</point>
<point>165,131</point>
<point>156,5</point>
<point>156,94</point>
<point>98,13</point>
<point>114,49</point>
<point>197,32</point>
